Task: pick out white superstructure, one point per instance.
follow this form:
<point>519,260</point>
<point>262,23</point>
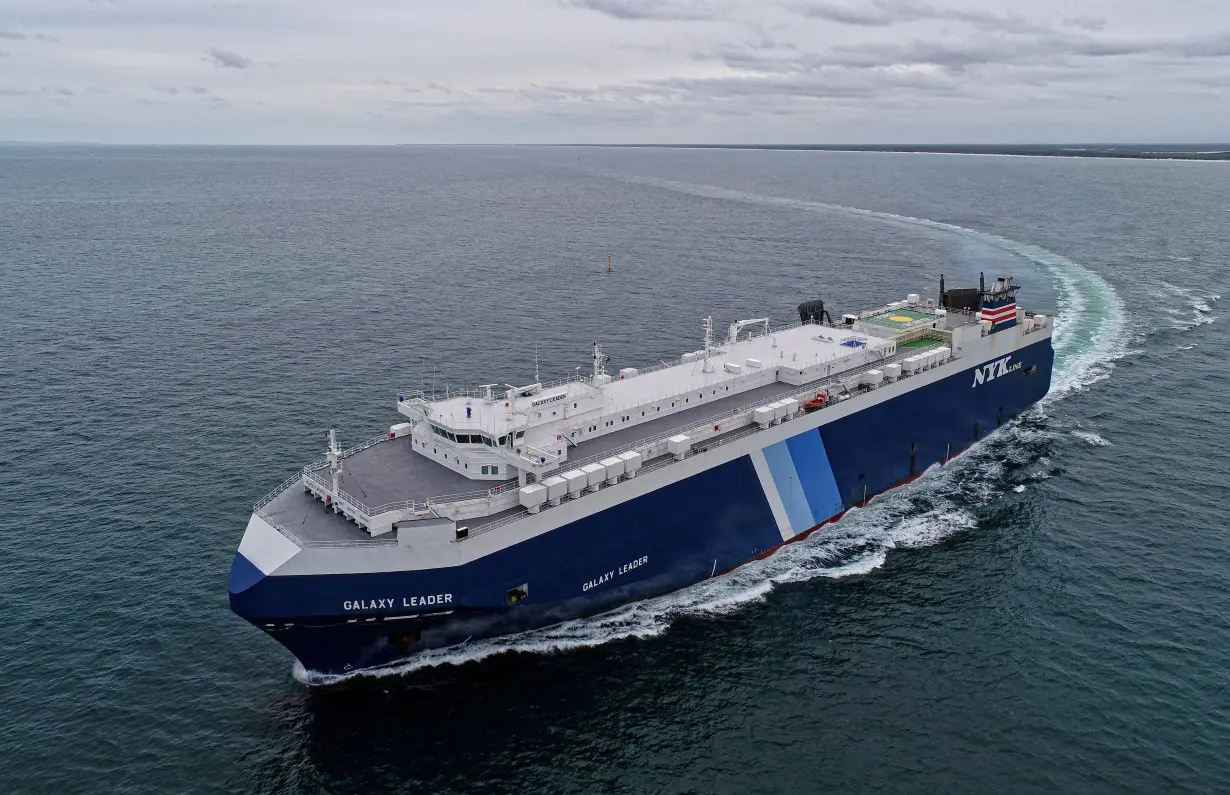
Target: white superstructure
<point>503,447</point>
<point>494,433</point>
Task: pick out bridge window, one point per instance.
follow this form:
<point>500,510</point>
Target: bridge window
<point>495,469</point>
<point>485,472</point>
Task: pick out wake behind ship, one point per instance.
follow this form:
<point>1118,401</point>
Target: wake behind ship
<point>503,509</point>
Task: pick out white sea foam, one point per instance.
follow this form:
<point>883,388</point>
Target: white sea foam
<point>1186,307</point>
<point>1092,438</point>
<point>1089,335</point>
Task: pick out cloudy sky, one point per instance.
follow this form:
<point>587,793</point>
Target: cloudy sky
<point>614,71</point>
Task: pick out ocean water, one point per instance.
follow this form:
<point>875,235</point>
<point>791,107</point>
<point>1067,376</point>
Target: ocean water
<point>179,327</point>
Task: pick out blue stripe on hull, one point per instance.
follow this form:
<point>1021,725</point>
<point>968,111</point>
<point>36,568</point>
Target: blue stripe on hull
<point>713,521</point>
<point>789,485</point>
<point>812,461</point>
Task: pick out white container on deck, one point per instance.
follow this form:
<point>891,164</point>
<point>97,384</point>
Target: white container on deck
<point>614,468</point>
<point>689,357</point>
<point>912,298</point>
<point>632,462</point>
<point>628,372</point>
<point>779,410</point>
<point>533,496</point>
<point>556,488</point>
<point>753,364</point>
<point>763,416</point>
<point>594,475</point>
<point>792,406</point>
<point>910,365</point>
<point>892,371</point>
<point>731,367</point>
<point>943,354</point>
<point>678,446</point>
<point>873,378</point>
<point>399,430</point>
<point>577,481</point>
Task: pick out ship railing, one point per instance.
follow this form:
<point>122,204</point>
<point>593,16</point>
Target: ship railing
<point>802,394</point>
<point>364,445</point>
<point>427,503</point>
<point>283,486</point>
<point>290,534</point>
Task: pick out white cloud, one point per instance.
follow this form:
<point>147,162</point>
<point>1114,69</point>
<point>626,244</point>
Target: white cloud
<point>373,71</point>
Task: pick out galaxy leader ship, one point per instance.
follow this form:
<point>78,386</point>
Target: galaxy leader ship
<point>503,509</point>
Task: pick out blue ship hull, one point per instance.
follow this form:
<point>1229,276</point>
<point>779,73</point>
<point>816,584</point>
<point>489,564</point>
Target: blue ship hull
<point>663,541</point>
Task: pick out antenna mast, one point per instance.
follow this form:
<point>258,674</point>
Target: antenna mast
<point>599,364</point>
<point>707,325</point>
<point>334,458</point>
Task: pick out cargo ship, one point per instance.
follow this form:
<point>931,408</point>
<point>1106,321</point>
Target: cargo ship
<point>502,509</point>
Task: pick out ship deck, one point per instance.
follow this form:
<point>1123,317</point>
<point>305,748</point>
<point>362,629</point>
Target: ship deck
<point>392,472</point>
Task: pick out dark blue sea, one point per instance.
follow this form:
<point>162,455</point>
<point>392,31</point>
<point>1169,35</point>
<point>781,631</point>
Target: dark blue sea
<point>180,326</point>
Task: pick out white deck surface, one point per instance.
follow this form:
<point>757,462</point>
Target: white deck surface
<point>800,346</point>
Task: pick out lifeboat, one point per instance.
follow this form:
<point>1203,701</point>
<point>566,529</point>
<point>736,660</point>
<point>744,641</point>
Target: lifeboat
<point>818,402</point>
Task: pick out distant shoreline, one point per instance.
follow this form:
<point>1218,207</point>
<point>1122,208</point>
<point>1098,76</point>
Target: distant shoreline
<point>1216,152</point>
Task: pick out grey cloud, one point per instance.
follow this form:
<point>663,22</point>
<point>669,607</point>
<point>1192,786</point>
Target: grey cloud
<point>683,10</point>
<point>17,35</point>
<point>3,54</point>
<point>200,91</point>
<point>883,13</point>
<point>957,56</point>
<point>1088,23</point>
<point>438,87</point>
<point>1215,46</point>
<point>227,59</point>
<point>58,91</point>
